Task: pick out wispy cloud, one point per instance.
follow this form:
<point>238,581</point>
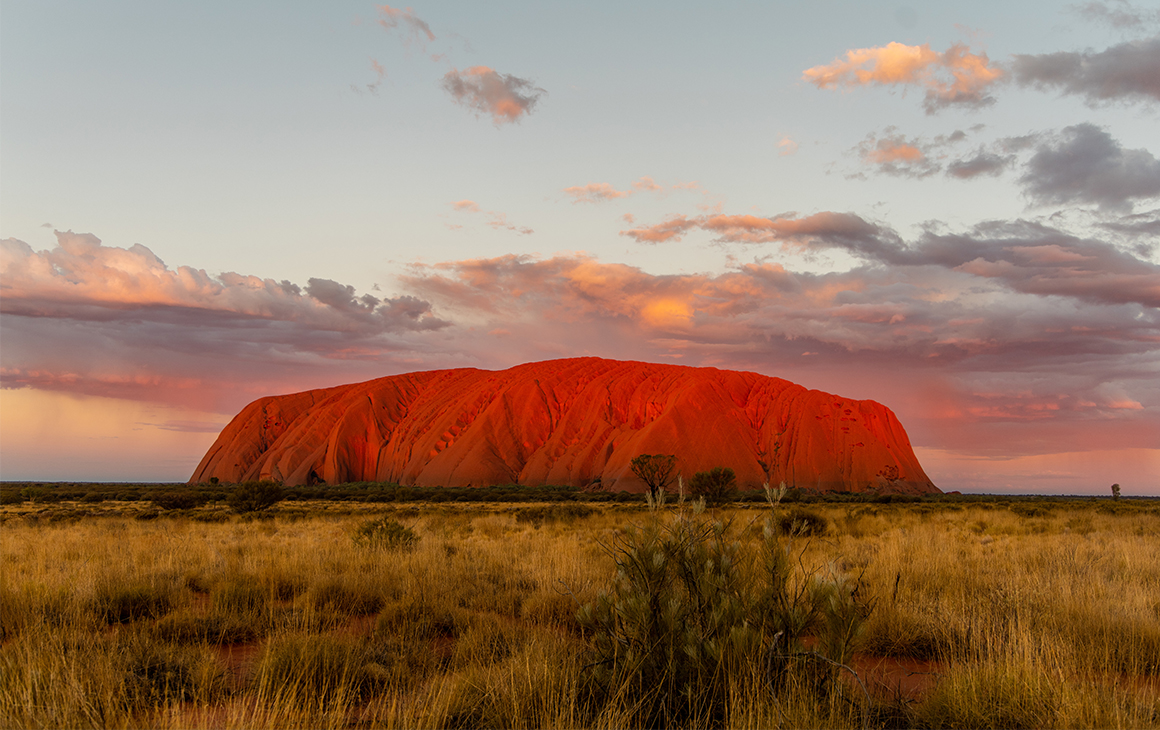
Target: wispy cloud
<point>493,218</point>
<point>595,193</point>
<point>787,147</point>
<point>1120,15</point>
<point>956,77</point>
<point>372,87</point>
<point>758,229</point>
<point>414,28</point>
<point>892,153</point>
<point>504,97</point>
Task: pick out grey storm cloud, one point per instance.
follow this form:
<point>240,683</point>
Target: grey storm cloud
<point>1080,164</point>
<point>1085,164</point>
<point>340,296</point>
<point>1129,71</point>
<point>982,163</point>
<point>1023,256</point>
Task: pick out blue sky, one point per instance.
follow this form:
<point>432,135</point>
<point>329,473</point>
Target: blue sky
<point>263,140</point>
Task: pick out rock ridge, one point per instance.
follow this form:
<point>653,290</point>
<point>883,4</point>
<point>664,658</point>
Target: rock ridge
<point>576,422</point>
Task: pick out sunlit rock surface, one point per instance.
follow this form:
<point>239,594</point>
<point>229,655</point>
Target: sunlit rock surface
<point>577,422</point>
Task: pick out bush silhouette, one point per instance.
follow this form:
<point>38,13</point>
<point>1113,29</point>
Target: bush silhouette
<point>179,500</point>
<point>716,485</point>
<point>256,496</point>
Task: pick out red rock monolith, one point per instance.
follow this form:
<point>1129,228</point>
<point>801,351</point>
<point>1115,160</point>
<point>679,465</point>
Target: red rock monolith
<point>576,422</point>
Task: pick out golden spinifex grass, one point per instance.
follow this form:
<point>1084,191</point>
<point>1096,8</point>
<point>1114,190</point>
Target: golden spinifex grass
<point>1045,615</point>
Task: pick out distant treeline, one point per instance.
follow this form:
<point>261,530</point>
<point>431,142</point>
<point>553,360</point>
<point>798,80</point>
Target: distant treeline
<point>171,496</point>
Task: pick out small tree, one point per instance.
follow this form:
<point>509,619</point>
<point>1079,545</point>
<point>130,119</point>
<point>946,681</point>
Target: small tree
<point>655,470</point>
<point>256,496</point>
<point>716,485</point>
<point>1115,491</point>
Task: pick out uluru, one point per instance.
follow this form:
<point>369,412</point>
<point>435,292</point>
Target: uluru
<point>573,422</point>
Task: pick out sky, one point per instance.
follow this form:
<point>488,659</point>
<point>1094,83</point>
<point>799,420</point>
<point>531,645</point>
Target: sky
<point>950,208</point>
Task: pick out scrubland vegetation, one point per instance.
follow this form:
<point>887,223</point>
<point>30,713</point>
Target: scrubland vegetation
<point>937,613</point>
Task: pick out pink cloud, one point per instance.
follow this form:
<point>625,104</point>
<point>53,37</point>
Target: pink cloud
<point>373,87</point>
<point>988,346</point>
<point>647,183</point>
<point>893,151</point>
<point>391,18</point>
<point>602,192</point>
<point>787,147</point>
<point>595,193</point>
<point>955,77</point>
<point>479,88</point>
<point>757,229</point>
<point>981,340</point>
<point>672,229</point>
<point>495,219</point>
<point>106,321</point>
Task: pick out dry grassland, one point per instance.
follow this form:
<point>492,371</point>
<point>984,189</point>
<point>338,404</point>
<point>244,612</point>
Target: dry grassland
<point>1045,616</point>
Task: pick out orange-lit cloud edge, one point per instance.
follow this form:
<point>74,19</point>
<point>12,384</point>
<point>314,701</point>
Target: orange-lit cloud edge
<point>1019,354</point>
<point>992,344</point>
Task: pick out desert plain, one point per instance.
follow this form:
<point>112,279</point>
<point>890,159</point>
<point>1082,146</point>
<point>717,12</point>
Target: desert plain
<point>370,606</point>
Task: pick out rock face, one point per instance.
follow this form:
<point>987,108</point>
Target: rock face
<point>576,422</point>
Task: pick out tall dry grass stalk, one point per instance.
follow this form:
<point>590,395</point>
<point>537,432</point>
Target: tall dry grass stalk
<point>1043,617</point>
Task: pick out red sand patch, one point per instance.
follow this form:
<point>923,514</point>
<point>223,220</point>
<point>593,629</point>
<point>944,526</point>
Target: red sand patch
<point>239,658</point>
<point>897,677</point>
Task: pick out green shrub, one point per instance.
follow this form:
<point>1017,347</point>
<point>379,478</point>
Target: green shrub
<point>256,496</point>
<point>681,626</point>
<point>716,485</point>
<point>35,494</point>
<point>179,500</point>
<point>415,621</point>
<point>337,595</point>
<point>317,668</point>
<point>991,695</point>
<point>117,603</point>
<point>553,513</point>
<point>803,522</point>
<point>156,674</point>
<point>239,594</point>
<point>386,534</point>
<point>213,628</point>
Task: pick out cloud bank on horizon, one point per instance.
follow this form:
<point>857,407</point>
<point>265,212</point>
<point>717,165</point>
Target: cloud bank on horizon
<point>997,339</point>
